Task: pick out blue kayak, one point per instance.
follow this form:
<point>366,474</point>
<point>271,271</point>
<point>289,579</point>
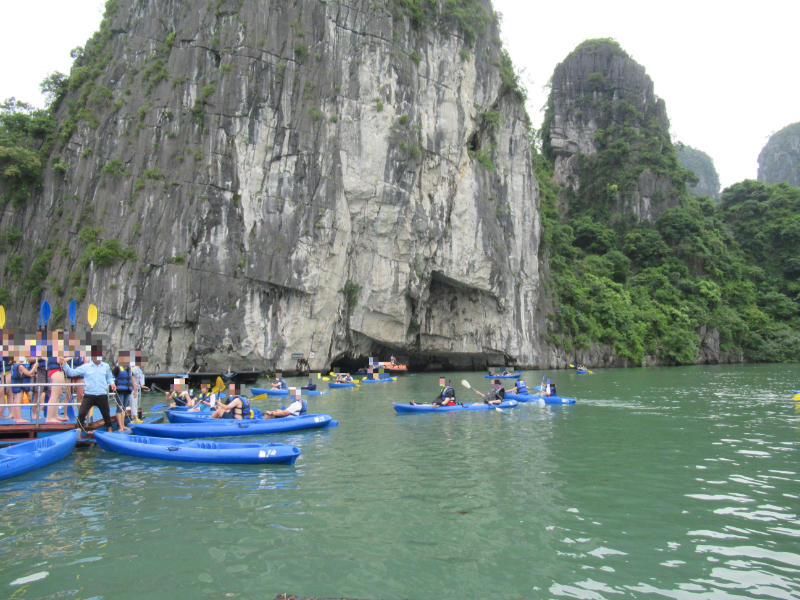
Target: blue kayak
<point>429,408</point>
<point>29,456</point>
<point>541,399</point>
<point>270,392</point>
<point>197,451</point>
<point>381,380</point>
<point>262,391</point>
<point>512,376</point>
<point>204,428</point>
<point>185,416</point>
<point>582,372</point>
<point>333,384</point>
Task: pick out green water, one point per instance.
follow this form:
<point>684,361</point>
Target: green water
<point>673,482</point>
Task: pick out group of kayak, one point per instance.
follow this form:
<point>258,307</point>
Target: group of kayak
<point>496,397</point>
<point>192,417</point>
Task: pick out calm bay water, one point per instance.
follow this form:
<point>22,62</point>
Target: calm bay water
<point>663,482</point>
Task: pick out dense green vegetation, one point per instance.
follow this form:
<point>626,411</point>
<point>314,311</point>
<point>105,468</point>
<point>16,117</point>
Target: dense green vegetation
<point>26,139</point>
<point>654,289</point>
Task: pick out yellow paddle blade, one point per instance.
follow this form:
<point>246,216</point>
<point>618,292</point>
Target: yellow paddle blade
<point>796,398</point>
<point>466,384</point>
<point>259,397</point>
<point>325,378</point>
<point>571,366</point>
<point>364,379</point>
<point>2,317</point>
<point>219,385</point>
<point>591,372</point>
<point>319,375</point>
<point>92,315</point>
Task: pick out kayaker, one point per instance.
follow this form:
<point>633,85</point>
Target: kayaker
<point>279,384</point>
<point>521,388</point>
<point>492,373</point>
<point>393,361</point>
<point>495,395</point>
<point>205,399</point>
<point>180,395</point>
<point>506,373</point>
<point>97,376</point>
<point>311,385</point>
<point>446,397</point>
<point>550,389</point>
<point>237,407</point>
<point>298,407</point>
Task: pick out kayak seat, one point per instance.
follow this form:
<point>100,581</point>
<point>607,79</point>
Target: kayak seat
<point>139,439</point>
<point>203,445</point>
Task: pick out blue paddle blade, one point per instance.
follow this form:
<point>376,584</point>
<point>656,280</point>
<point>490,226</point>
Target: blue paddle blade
<point>45,312</point>
<point>73,307</point>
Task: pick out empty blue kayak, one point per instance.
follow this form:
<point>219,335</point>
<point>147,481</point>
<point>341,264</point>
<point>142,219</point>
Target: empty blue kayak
<point>541,399</point>
<point>197,451</point>
<point>28,456</point>
<point>428,408</point>
<point>333,384</point>
<point>381,380</point>
<point>204,428</point>
<point>512,376</point>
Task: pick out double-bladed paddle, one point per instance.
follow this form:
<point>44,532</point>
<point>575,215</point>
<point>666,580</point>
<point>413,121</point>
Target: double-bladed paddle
<point>466,384</point>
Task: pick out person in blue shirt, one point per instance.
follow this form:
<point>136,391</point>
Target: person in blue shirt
<point>98,378</point>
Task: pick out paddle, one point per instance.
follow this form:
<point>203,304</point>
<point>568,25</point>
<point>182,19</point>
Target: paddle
<point>92,315</point>
<point>45,313</point>
<point>259,397</point>
<point>466,384</point>
<point>73,307</point>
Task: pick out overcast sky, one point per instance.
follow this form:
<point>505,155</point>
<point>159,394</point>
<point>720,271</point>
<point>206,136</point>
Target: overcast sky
<point>727,71</point>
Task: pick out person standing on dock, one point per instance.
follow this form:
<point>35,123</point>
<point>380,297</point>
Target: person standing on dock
<point>123,377</point>
<point>97,377</point>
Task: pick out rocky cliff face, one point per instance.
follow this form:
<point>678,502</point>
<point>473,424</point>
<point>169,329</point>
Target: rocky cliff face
<point>702,165</point>
<point>326,177</point>
<point>780,158</point>
<point>608,134</point>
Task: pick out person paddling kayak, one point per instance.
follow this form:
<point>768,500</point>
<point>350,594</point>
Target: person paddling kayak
<point>495,395</point>
<point>446,397</point>
<point>521,388</point>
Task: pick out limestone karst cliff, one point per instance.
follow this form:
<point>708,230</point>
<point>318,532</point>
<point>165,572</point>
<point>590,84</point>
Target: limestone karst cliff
<point>608,135</point>
<point>702,165</point>
<point>779,160</point>
<point>238,181</point>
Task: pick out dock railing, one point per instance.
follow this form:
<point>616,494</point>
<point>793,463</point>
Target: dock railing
<point>39,394</point>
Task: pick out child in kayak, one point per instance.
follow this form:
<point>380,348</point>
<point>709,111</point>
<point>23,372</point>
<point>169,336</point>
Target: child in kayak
<point>180,395</point>
<point>237,407</point>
